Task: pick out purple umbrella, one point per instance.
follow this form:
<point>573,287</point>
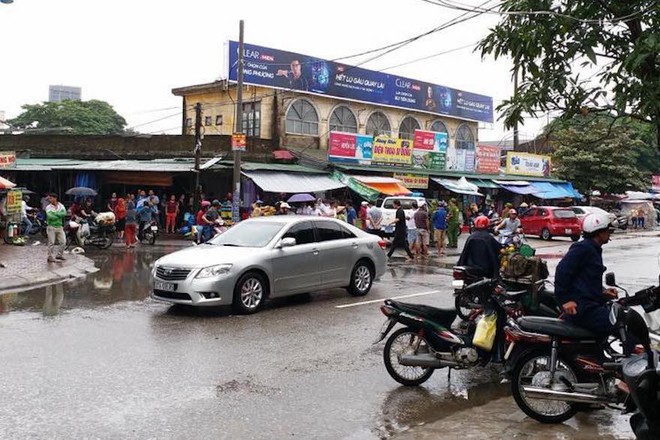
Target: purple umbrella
<point>297,198</point>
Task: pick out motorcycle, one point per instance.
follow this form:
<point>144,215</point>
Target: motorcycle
<point>545,303</point>
<point>150,232</point>
<point>427,342</point>
<point>84,232</point>
<point>557,365</point>
<point>39,225</point>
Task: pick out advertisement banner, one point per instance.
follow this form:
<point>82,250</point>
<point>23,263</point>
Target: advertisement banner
<point>487,160</point>
<point>429,148</point>
<point>14,199</point>
<point>428,160</point>
<point>525,164</point>
<point>655,183</point>
<point>7,159</point>
<point>388,151</point>
<point>292,71</point>
<point>412,181</point>
<point>469,161</point>
<point>238,142</point>
<point>349,147</point>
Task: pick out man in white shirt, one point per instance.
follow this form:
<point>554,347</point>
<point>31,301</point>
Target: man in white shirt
<point>412,228</point>
<point>26,224</point>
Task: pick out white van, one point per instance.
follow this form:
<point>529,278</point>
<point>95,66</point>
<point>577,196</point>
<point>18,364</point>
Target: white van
<point>389,212</point>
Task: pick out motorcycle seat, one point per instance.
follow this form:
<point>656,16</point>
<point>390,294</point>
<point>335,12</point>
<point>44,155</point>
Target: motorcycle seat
<point>471,271</point>
<point>554,327</point>
<point>443,316</point>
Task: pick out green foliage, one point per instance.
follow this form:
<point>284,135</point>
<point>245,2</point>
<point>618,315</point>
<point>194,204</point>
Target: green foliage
<point>75,117</point>
<point>604,153</point>
<point>618,41</point>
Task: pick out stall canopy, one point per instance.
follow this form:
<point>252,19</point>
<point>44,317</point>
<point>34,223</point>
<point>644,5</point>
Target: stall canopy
<point>517,186</point>
<point>6,184</point>
<point>552,190</point>
<point>460,186</point>
<point>292,183</point>
<point>384,185</point>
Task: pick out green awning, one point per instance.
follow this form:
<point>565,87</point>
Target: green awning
<point>364,191</point>
<point>484,183</point>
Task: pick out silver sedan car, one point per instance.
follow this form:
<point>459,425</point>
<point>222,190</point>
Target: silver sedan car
<point>270,257</point>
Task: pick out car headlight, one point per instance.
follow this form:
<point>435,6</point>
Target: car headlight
<point>214,271</point>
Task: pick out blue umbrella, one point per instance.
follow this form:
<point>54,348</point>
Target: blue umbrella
<point>81,191</point>
<point>297,198</point>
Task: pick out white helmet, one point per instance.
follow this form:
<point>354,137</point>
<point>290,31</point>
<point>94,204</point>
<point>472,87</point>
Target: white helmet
<point>596,221</point>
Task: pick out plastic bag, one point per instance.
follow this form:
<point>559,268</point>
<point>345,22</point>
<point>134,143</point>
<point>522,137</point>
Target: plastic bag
<point>484,337</point>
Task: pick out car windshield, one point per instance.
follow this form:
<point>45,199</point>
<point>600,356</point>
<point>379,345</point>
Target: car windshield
<point>564,213</point>
<point>248,234</point>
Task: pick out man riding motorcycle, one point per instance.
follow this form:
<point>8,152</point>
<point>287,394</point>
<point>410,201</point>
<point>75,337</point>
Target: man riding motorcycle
<point>578,279</point>
<point>481,250</point>
<point>508,227</point>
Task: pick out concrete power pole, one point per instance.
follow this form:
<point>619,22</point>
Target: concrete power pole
<point>198,153</point>
<point>236,201</point>
<point>516,141</point>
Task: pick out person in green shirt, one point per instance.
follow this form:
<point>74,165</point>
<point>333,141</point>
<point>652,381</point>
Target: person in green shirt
<point>55,214</point>
<point>452,224</point>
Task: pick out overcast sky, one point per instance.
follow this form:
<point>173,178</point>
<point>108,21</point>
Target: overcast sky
<point>131,53</point>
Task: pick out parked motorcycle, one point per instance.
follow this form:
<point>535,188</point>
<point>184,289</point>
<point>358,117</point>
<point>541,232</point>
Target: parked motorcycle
<point>38,220</point>
<point>81,232</point>
<point>150,232</point>
<point>557,365</point>
<point>427,341</point>
<point>467,303</point>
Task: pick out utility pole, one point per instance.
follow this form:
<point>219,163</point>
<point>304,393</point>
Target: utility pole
<point>236,200</point>
<point>516,142</point>
<point>198,153</point>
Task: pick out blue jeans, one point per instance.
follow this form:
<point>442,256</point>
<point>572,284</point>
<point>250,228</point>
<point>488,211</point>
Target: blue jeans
<point>28,226</point>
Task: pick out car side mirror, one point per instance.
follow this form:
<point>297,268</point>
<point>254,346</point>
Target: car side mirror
<point>286,242</point>
<point>610,280</point>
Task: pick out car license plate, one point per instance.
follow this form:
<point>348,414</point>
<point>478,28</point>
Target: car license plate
<point>568,231</point>
<point>457,284</point>
<point>154,228</point>
<point>161,285</point>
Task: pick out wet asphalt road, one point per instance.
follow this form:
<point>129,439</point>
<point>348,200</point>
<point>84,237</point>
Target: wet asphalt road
<point>97,358</point>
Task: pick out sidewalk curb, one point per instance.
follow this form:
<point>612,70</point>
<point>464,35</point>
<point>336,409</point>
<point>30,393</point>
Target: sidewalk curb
<point>84,266</point>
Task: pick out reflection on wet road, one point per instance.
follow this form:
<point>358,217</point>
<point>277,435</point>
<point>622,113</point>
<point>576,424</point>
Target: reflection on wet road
<point>105,361</point>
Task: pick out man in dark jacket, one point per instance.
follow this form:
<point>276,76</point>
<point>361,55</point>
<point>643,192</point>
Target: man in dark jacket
<point>481,250</point>
<point>400,232</point>
<point>579,275</point>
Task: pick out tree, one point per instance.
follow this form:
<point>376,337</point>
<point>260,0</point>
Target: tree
<point>76,117</point>
<point>551,43</point>
<point>600,152</point>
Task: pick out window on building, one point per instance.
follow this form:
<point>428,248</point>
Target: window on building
<point>218,120</point>
<point>439,126</point>
<point>302,118</point>
<point>207,120</point>
<point>408,127</point>
<point>252,118</point>
<point>378,124</point>
<point>343,119</point>
<point>464,138</point>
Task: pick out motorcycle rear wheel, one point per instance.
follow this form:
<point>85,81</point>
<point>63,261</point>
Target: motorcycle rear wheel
<point>534,369</point>
<point>403,341</point>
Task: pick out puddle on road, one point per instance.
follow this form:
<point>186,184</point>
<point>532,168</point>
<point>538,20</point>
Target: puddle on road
<point>123,276</point>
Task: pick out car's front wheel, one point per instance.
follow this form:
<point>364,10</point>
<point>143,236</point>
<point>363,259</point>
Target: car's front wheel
<point>545,234</point>
<point>250,293</point>
<point>362,277</point>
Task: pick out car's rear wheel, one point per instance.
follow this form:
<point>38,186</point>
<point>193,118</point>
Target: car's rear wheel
<point>545,234</point>
<point>362,277</point>
<point>250,293</point>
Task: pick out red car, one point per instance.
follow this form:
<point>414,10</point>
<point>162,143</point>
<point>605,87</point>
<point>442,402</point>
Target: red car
<point>551,221</point>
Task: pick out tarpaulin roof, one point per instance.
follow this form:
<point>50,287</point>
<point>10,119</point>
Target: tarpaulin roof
<point>460,186</point>
<point>519,189</point>
<point>484,183</point>
<point>363,190</point>
<point>293,183</point>
<point>550,190</point>
<point>6,184</point>
<point>384,185</point>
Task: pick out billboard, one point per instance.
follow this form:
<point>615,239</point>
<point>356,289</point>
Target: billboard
<point>292,71</point>
<point>7,159</point>
<point>487,159</point>
<point>525,164</point>
<point>429,149</point>
<point>389,151</point>
<point>412,181</point>
<point>349,148</point>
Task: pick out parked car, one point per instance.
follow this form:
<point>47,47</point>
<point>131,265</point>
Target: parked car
<point>269,257</point>
<point>620,221</point>
<point>389,212</point>
<point>551,221</point>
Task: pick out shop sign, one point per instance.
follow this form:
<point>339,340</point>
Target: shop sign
<point>14,199</point>
<point>306,74</point>
<point>429,148</point>
<point>487,159</point>
<point>428,160</point>
<point>525,164</point>
<point>350,148</point>
<point>460,159</point>
<point>238,142</point>
<point>655,183</point>
<point>389,151</point>
<point>413,181</point>
<point>7,159</point>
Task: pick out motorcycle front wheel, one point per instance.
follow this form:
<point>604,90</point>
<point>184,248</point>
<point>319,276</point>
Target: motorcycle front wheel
<point>406,341</point>
<point>533,370</point>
